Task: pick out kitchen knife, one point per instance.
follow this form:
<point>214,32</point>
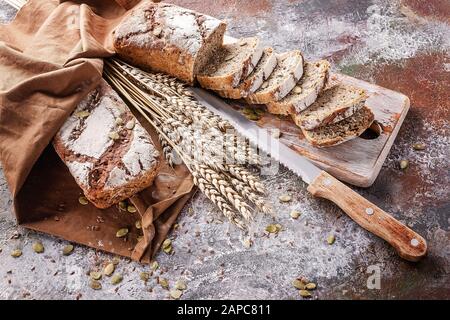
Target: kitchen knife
<point>409,245</point>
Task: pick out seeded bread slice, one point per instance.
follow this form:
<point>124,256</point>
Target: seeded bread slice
<point>342,131</point>
<point>313,81</point>
<point>282,80</point>
<point>232,64</point>
<point>333,105</point>
<point>260,74</point>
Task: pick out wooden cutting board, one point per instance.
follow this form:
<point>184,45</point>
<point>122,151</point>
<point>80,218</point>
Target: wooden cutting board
<point>358,161</point>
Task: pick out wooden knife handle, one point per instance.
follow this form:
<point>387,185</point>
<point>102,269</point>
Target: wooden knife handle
<point>409,245</point>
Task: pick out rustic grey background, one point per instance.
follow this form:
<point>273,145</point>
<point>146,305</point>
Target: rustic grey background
<point>402,46</point>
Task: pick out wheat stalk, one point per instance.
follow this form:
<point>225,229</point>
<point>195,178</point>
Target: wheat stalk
<point>216,156</point>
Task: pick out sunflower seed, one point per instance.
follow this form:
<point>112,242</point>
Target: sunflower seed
<point>16,253</point>
<point>144,276</point>
<point>130,125</point>
<point>94,275</point>
<point>113,135</point>
<point>109,269</point>
<point>295,214</point>
<point>285,198</point>
<point>116,279</point>
<point>131,209</point>
<point>83,200</point>
<point>176,294</point>
<point>138,224</point>
<point>331,238</point>
<point>154,265</point>
<point>38,247</point>
<point>122,232</point>
<point>305,293</point>
<point>82,114</point>
<point>67,250</point>
<point>298,284</point>
<point>180,285</point>
<point>419,146</point>
<point>163,283</point>
<point>311,286</point>
<point>94,284</point>
<point>404,164</point>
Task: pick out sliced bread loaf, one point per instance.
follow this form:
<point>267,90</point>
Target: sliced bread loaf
<point>342,131</point>
<point>282,80</point>
<point>260,74</point>
<point>333,105</point>
<point>314,78</point>
<point>232,64</point>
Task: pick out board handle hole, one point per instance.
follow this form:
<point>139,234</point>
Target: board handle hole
<point>373,132</point>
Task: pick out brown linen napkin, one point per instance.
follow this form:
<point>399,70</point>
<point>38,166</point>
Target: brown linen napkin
<point>50,58</point>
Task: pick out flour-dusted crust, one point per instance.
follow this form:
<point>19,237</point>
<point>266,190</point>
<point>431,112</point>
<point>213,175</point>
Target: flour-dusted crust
<point>282,80</point>
<point>107,151</point>
<point>305,93</point>
<point>252,83</point>
<point>167,38</point>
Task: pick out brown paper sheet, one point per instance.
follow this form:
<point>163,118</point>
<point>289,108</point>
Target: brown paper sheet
<point>50,58</point>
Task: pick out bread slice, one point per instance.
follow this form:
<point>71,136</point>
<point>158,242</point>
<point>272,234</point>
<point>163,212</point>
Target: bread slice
<point>333,105</point>
<point>342,131</point>
<point>260,74</point>
<point>282,80</point>
<point>232,64</point>
<point>313,81</point>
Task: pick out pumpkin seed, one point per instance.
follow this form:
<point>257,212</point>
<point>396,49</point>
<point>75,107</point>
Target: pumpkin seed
<point>144,276</point>
<point>38,247</point>
<point>298,284</point>
<point>131,209</point>
<point>180,285</point>
<point>94,284</point>
<point>116,279</point>
<point>331,238</point>
<point>83,200</point>
<point>167,243</point>
<point>285,198</point>
<point>94,275</point>
<point>163,283</point>
<point>67,250</point>
<point>138,224</point>
<point>176,294</point>
<point>404,164</point>
<point>123,205</point>
<point>154,265</point>
<point>305,293</point>
<point>119,121</point>
<point>113,135</point>
<point>311,286</point>
<point>16,253</point>
<point>130,125</point>
<point>122,232</point>
<point>295,214</point>
<point>82,114</point>
<point>109,269</point>
<point>419,146</point>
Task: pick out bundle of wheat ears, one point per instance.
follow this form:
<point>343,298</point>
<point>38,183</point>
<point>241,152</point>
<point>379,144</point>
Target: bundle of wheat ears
<point>217,157</point>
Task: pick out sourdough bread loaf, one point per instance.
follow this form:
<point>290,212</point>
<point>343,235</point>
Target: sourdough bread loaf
<point>260,74</point>
<point>167,38</point>
<point>333,105</point>
<point>313,81</point>
<point>110,155</point>
<point>231,64</point>
<point>342,131</point>
<point>283,79</point>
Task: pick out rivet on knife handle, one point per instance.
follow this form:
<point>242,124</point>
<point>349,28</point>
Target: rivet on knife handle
<point>409,245</point>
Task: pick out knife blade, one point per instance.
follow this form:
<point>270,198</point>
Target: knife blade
<point>408,244</point>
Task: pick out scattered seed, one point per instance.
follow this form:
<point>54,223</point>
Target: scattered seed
<point>38,247</point>
<point>331,238</point>
<point>130,125</point>
<point>163,283</point>
<point>247,242</point>
<point>276,133</point>
<point>144,276</point>
<point>180,285</point>
<point>295,214</point>
<point>253,117</point>
<point>94,284</point>
<point>404,164</point>
<point>116,279</point>
<point>285,198</point>
<point>139,238</point>
<point>305,293</point>
<point>82,114</point>
<point>131,209</point>
<point>67,250</point>
<point>16,253</point>
<point>122,232</point>
<point>166,243</point>
<point>119,121</point>
<point>298,284</point>
<point>297,90</point>
<point>94,275</point>
<point>176,294</point>
<point>157,31</point>
<point>273,228</point>
<point>109,269</point>
<point>114,135</point>
<point>115,261</point>
<point>154,265</point>
<point>311,286</point>
<point>419,146</point>
<point>122,205</point>
<point>138,224</point>
<point>83,200</point>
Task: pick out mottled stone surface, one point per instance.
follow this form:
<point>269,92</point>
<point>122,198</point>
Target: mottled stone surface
<point>375,40</point>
